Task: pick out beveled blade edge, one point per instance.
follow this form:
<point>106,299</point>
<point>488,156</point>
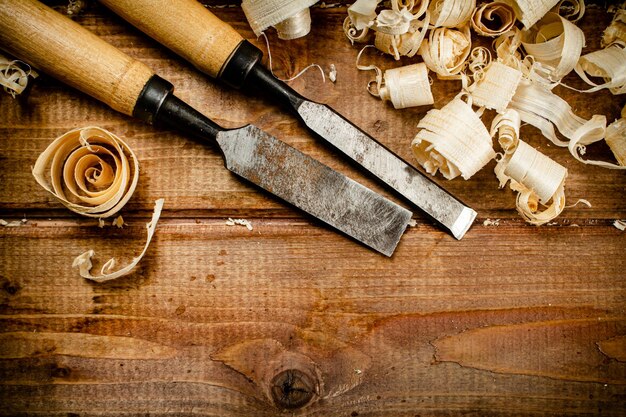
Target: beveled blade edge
<point>415,186</point>
<point>315,188</point>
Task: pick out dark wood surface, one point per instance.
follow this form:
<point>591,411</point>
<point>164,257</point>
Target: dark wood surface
<point>512,320</point>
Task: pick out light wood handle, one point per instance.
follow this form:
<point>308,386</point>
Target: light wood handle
<point>62,48</point>
<point>184,26</point>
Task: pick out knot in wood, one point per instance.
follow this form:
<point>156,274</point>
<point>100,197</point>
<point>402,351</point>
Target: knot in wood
<point>292,389</point>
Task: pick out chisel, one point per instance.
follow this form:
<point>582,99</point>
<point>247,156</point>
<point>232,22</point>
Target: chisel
<point>60,47</point>
<point>214,47</point>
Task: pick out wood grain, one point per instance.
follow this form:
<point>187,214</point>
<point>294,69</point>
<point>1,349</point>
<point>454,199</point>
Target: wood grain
<point>217,320</point>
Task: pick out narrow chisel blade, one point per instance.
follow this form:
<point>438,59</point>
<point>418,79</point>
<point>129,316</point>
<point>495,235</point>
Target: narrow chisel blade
<point>315,188</point>
<point>445,209</point>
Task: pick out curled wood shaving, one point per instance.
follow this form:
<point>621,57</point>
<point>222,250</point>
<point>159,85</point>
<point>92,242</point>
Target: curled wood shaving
<point>537,178</point>
<point>291,18</point>
<point>89,170</point>
<point>608,63</point>
<point>399,31</point>
<point>495,89</point>
<point>556,43</point>
<point>407,86</point>
<point>83,261</point>
<point>453,140</point>
<point>572,10</point>
<point>14,75</point>
<point>530,12</point>
<point>488,15</point>
<point>305,69</point>
<point>588,133</point>
<point>354,34</point>
<point>446,50</point>
<point>362,12</point>
<point>451,13</point>
<point>620,224</point>
<point>543,109</point>
<point>478,61</point>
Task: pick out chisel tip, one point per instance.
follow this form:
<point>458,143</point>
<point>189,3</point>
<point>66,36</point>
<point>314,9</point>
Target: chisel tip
<point>463,222</point>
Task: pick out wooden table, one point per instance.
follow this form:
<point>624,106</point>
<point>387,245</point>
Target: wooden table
<point>221,320</point>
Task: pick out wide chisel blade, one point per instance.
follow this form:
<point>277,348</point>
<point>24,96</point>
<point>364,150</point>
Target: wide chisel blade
<point>313,187</point>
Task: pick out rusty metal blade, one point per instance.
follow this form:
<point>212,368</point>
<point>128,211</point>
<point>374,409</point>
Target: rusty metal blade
<point>415,186</point>
<point>315,188</point>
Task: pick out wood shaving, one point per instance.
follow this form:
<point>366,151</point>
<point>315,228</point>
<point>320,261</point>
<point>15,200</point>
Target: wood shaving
<point>488,14</point>
<point>407,86</point>
<point>362,12</point>
<point>14,223</point>
<point>620,224</point>
<point>556,43</point>
<point>75,7</point>
<point>451,13</point>
<point>608,63</point>
<point>332,73</point>
<point>239,222</point>
<point>495,89</point>
<point>543,109</point>
<point>446,50</point>
<point>536,178</point>
<point>530,12</point>
<point>399,31</point>
<point>119,222</point>
<point>586,135</point>
<point>14,75</point>
<point>572,10</point>
<point>291,18</point>
<point>89,170</point>
<point>453,140</point>
<point>83,261</point>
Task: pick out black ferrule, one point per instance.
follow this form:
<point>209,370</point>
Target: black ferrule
<point>151,98</point>
<point>244,70</point>
<point>158,105</point>
<point>240,63</point>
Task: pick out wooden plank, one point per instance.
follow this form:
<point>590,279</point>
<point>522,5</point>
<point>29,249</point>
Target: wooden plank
<point>220,320</point>
<point>419,332</point>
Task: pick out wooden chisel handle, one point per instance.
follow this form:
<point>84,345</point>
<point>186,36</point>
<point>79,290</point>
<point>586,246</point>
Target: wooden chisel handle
<point>62,48</point>
<point>184,26</point>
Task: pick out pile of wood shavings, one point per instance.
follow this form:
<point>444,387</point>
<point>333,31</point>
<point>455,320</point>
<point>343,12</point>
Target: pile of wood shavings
<point>94,173</point>
<point>535,45</point>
